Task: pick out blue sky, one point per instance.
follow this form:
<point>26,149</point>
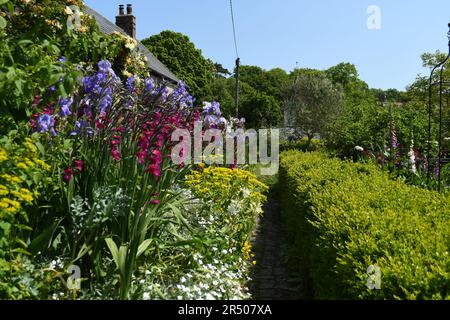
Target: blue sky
<point>314,33</point>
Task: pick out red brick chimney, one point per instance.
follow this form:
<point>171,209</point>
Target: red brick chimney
<point>127,21</point>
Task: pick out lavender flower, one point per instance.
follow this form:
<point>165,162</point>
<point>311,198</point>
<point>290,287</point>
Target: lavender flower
<point>437,169</point>
<point>64,105</point>
<point>211,121</point>
<point>46,123</point>
<point>149,84</point>
<point>212,108</point>
<point>223,123</point>
<point>130,84</point>
<point>81,126</point>
<point>105,66</point>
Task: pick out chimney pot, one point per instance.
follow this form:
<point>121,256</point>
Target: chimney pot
<point>127,21</point>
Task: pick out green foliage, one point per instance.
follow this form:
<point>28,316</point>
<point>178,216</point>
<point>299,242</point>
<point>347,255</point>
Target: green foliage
<point>181,56</point>
<point>312,101</point>
<point>302,145</point>
<point>270,82</point>
<point>260,110</point>
<point>344,217</point>
<point>36,36</point>
<point>22,175</point>
<point>346,75</point>
<point>363,124</point>
<point>368,125</point>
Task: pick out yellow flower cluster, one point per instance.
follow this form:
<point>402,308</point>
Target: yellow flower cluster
<point>220,182</point>
<point>3,155</point>
<point>247,251</point>
<point>54,23</point>
<point>9,206</point>
<point>17,165</point>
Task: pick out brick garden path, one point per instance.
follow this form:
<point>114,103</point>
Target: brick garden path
<point>270,277</point>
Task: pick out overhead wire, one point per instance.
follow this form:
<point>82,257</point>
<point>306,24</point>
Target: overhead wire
<point>238,60</point>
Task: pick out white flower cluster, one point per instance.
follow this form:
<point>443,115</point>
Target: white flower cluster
<point>220,274</point>
<point>217,280</point>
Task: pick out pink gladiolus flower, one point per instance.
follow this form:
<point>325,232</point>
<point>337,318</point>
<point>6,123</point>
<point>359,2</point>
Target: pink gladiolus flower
<point>68,173</point>
<point>156,156</point>
<point>155,201</point>
<point>79,165</point>
<point>49,109</point>
<point>154,169</point>
<point>116,154</point>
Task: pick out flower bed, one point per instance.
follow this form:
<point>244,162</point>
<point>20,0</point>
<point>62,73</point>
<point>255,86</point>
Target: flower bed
<point>346,220</point>
<point>92,205</point>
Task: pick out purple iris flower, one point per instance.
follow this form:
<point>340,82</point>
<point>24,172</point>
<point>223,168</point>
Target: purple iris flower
<point>211,121</point>
<point>64,105</point>
<point>45,123</point>
<point>81,126</point>
<point>215,109</point>
<point>212,108</point>
<point>62,59</point>
<point>149,84</point>
<point>104,66</point>
<point>130,83</point>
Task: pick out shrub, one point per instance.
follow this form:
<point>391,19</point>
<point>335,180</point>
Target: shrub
<point>209,256</point>
<point>344,217</point>
<point>21,180</point>
<point>302,145</point>
<point>235,195</point>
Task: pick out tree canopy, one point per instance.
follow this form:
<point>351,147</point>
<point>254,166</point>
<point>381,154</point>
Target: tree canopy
<point>312,102</point>
<point>181,56</point>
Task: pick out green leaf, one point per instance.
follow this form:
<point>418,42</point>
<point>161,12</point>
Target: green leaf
<point>2,23</point>
<point>3,2</point>
<point>37,177</point>
<point>24,42</point>
<point>84,249</point>
<point>114,251</point>
<point>40,147</point>
<point>122,258</point>
<point>43,241</point>
<point>143,246</point>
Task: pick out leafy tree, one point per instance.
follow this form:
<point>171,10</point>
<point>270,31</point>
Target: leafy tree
<point>312,102</point>
<point>221,71</point>
<point>346,75</point>
<point>363,124</point>
<point>181,56</point>
<point>343,73</point>
<point>270,82</point>
<point>259,110</point>
<point>222,90</point>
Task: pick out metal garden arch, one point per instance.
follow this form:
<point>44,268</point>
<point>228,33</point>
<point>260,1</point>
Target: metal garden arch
<point>439,115</point>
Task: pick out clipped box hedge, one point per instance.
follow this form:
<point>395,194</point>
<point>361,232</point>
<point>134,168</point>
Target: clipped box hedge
<point>343,217</point>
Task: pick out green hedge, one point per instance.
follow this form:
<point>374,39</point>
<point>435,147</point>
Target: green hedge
<point>301,145</point>
<point>343,217</point>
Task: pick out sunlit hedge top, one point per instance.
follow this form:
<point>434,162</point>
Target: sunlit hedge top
<point>347,217</point>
